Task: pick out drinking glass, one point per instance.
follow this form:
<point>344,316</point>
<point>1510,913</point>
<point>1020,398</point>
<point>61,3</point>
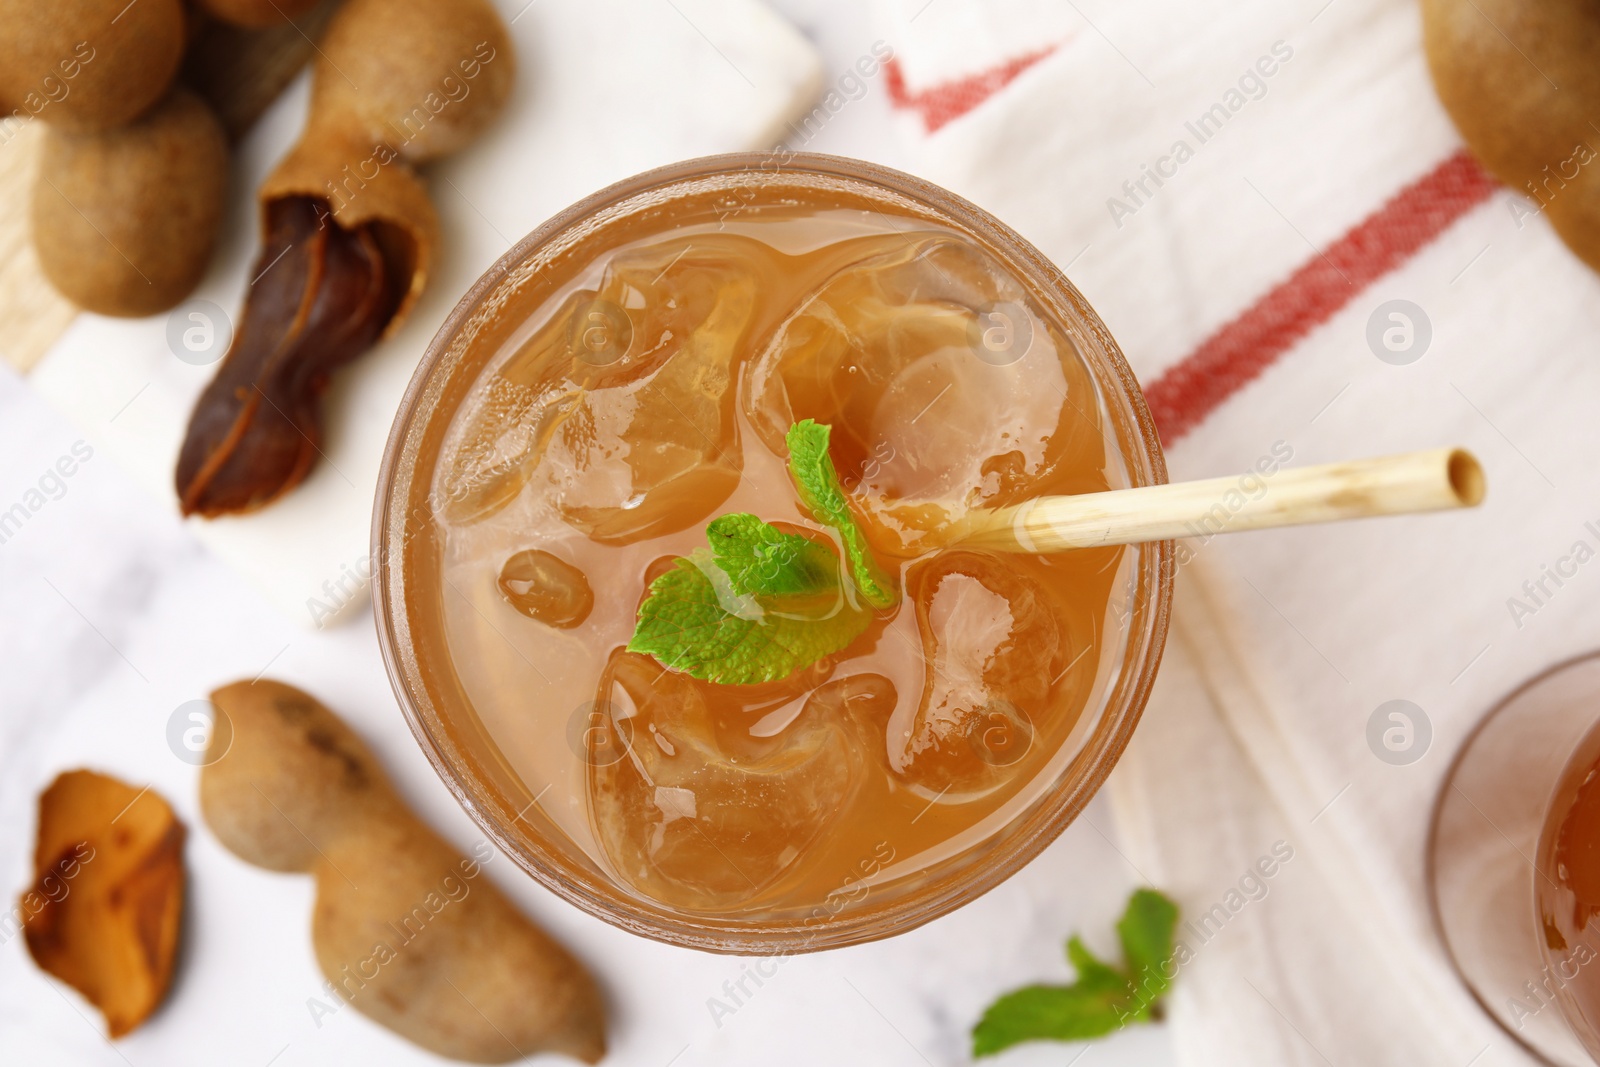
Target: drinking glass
<point>469,754</point>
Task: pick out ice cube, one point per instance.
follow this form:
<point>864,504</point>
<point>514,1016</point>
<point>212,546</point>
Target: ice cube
<point>945,386</point>
<point>991,648</point>
<point>621,407</point>
<point>703,815</point>
<point>493,447</point>
<point>546,588</point>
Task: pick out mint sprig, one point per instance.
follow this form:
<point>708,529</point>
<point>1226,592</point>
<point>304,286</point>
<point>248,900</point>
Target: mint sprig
<point>761,603</point>
<point>1104,998</point>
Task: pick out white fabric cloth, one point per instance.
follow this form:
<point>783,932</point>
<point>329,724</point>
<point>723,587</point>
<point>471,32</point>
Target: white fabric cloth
<point>1286,642</point>
<point>604,89</point>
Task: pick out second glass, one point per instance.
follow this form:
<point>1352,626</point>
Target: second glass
<point>1514,863</point>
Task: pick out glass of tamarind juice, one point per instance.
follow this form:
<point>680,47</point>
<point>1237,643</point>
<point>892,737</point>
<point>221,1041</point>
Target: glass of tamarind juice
<point>667,583</point>
<point>1514,863</point>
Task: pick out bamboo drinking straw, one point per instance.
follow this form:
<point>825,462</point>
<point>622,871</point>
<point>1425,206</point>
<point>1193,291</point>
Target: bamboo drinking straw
<point>1387,485</point>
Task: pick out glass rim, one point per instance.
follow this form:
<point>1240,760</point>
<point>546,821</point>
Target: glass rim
<point>1047,817</point>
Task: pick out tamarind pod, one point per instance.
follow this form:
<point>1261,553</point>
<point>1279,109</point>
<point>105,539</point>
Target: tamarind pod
<point>88,65</point>
<point>444,71</point>
<point>124,220</point>
<point>1521,83</point>
<point>407,930</point>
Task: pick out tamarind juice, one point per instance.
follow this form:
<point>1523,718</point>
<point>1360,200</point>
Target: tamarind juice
<point>1567,892</point>
<point>640,386</point>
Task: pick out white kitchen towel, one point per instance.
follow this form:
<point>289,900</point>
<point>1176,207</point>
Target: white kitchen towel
<point>1243,190</point>
<point>1276,965</point>
<point>604,89</point>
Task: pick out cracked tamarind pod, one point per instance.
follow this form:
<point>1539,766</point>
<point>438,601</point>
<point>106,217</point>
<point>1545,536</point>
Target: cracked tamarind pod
<point>87,65</point>
<point>324,298</point>
<point>1521,81</point>
<point>124,220</point>
<point>404,928</point>
<point>396,82</point>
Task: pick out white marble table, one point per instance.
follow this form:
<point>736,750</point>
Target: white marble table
<point>111,616</point>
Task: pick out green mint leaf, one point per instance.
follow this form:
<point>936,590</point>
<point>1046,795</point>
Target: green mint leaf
<point>1103,999</point>
<point>1146,929</point>
<point>762,560</point>
<point>759,605</point>
<point>1093,973</point>
<point>1047,1012</point>
<point>823,495</point>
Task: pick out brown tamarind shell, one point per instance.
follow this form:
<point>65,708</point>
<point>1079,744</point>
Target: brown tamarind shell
<point>124,220</point>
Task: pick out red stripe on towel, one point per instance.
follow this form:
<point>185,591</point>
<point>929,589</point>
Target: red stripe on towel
<point>1186,393</point>
<point>948,101</point>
